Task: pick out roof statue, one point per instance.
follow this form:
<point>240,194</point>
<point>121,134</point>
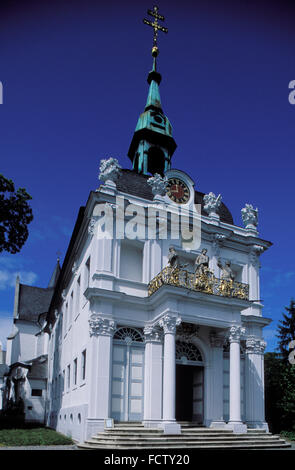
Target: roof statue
<point>109,170</point>
<point>212,203</point>
<point>250,216</point>
<point>158,184</point>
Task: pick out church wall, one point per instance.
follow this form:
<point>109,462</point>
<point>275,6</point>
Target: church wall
<point>41,344</point>
<point>71,421</point>
<point>24,344</point>
<point>13,349</point>
<point>127,266</point>
<point>68,411</point>
<point>35,404</point>
<point>8,351</point>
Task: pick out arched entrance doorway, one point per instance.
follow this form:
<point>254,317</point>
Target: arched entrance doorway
<point>189,383</point>
<point>127,375</point>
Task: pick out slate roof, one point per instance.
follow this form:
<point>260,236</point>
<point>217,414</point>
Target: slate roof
<point>33,301</point>
<point>133,183</point>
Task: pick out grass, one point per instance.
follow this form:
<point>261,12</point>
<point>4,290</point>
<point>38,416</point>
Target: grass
<point>32,437</point>
<point>288,435</point>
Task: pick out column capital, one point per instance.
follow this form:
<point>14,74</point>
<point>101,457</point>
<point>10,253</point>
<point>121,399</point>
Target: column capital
<point>99,326</point>
<point>234,333</point>
<point>153,334</point>
<point>255,345</point>
<point>169,322</point>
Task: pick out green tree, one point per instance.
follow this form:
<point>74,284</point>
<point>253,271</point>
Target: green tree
<point>280,377</point>
<point>15,215</point>
<point>279,393</point>
<point>286,330</point>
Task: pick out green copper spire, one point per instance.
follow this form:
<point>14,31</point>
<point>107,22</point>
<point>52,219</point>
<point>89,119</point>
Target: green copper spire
<point>154,98</point>
<point>152,145</point>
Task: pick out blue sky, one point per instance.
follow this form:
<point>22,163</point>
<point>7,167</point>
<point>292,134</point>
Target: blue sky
<point>74,82</point>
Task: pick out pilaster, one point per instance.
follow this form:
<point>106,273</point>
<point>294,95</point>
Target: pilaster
<point>216,408</point>
<point>255,408</point>
<point>153,375</point>
<point>169,323</point>
<point>99,374</point>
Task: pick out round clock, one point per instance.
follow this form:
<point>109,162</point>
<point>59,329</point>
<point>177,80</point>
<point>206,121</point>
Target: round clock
<point>178,191</point>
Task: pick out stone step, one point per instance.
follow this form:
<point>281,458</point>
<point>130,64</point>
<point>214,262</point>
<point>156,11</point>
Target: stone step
<point>133,436</point>
<point>128,423</point>
<point>160,435</point>
<point>194,445</point>
<point>176,438</point>
<point>144,430</point>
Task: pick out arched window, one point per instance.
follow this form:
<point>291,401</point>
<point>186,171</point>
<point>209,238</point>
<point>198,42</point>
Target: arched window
<point>129,335</point>
<point>187,352</point>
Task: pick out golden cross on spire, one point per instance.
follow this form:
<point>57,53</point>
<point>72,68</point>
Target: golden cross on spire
<point>156,26</point>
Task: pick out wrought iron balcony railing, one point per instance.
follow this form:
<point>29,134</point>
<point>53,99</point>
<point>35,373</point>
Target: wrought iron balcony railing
<point>206,283</point>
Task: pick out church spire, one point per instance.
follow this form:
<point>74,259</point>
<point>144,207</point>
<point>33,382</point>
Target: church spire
<point>152,145</point>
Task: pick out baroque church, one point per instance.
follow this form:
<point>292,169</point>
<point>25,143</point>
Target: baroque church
<point>154,316</point>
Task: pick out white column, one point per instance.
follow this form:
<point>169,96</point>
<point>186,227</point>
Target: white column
<point>169,323</point>
<point>235,421</point>
<point>153,373</point>
<point>216,370</point>
<point>99,372</point>
<point>255,408</point>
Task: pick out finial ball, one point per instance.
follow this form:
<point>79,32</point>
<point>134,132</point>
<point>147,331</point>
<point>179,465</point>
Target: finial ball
<point>155,51</point>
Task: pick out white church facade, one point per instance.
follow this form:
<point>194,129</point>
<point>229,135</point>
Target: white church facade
<point>134,338</point>
<point>155,316</point>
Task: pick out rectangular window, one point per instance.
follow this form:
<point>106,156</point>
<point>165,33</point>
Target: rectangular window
<point>36,392</point>
<point>75,372</point>
<point>83,365</point>
<point>131,260</point>
<point>69,377</point>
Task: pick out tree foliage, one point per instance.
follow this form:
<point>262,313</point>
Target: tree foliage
<point>15,215</point>
<point>280,377</point>
<point>286,330</point>
<point>279,393</point>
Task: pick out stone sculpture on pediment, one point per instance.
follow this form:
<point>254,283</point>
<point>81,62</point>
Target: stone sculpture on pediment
<point>109,170</point>
<point>158,184</point>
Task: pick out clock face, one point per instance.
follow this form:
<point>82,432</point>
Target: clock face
<point>178,191</point>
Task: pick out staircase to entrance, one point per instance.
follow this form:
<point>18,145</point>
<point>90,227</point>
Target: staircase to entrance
<point>136,436</point>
